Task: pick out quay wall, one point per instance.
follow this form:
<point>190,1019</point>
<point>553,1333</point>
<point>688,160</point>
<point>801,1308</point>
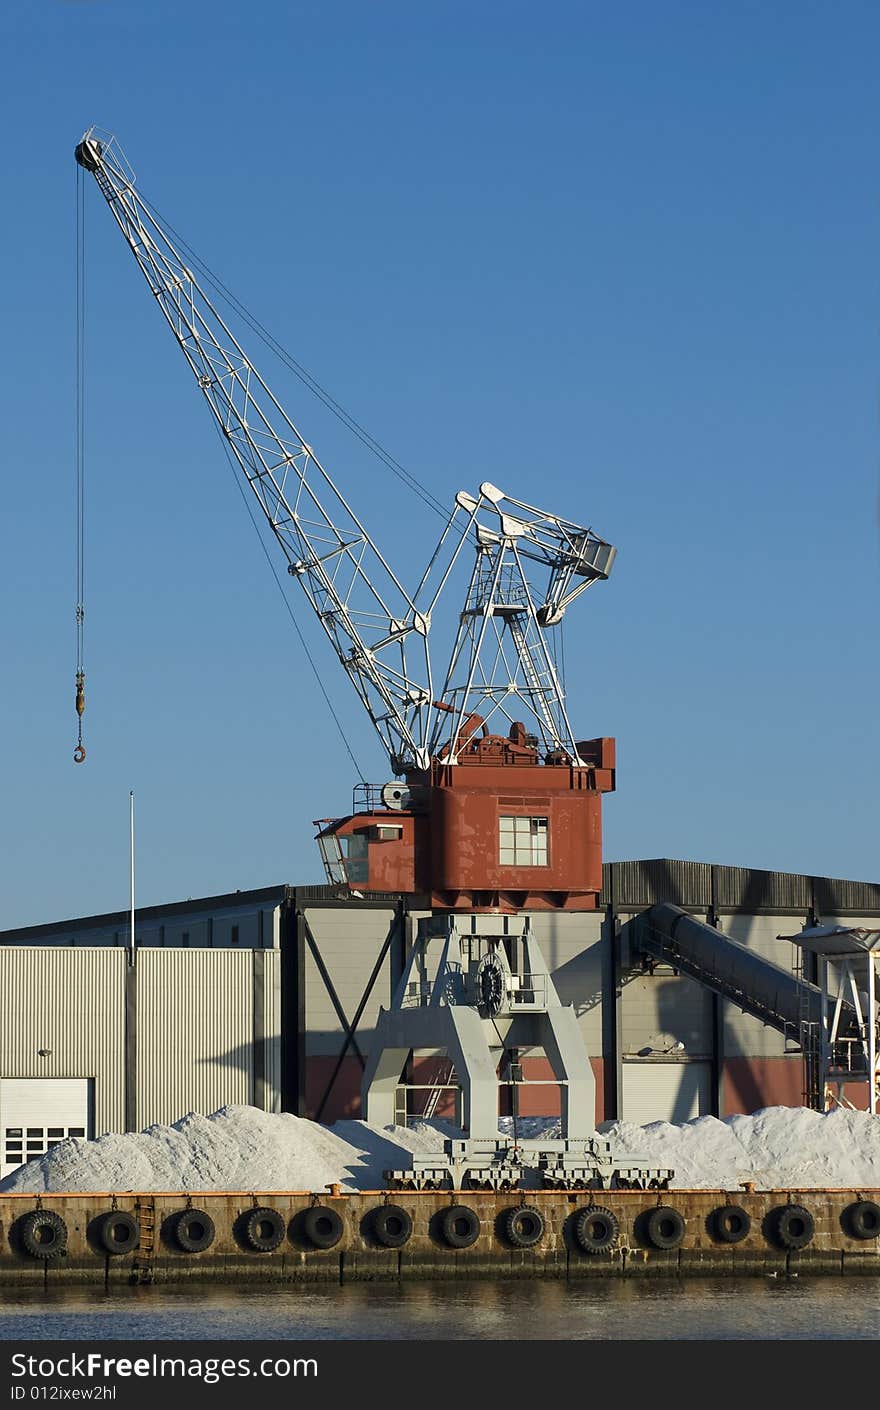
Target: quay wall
<point>832,1247</point>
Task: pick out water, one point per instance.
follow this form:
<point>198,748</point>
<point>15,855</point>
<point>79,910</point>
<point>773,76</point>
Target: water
<point>710,1309</point>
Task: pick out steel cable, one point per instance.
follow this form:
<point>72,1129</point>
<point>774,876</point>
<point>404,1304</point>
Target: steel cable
<point>302,373</point>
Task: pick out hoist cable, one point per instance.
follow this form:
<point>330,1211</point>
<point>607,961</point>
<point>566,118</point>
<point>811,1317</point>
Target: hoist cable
<point>302,373</point>
<point>79,752</point>
<point>286,600</point>
<point>512,1083</point>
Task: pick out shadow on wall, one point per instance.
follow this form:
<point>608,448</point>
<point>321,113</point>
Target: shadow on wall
<point>576,983</point>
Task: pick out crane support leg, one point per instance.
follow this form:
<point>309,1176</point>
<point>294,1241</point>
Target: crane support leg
<point>459,1031</point>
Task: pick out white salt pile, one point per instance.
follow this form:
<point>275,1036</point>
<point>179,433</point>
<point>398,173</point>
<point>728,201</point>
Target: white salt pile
<point>776,1147</point>
<point>241,1148</point>
<point>237,1148</point>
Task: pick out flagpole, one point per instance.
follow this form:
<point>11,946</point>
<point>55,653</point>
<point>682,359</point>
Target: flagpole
<point>131,887</point>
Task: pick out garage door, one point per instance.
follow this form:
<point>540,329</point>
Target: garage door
<point>38,1112</point>
<point>666,1091</point>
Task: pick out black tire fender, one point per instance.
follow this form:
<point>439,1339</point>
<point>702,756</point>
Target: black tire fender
<point>391,1225</point>
<point>596,1229</point>
<point>322,1226</point>
<point>43,1234</point>
<point>263,1228</point>
<point>664,1226</point>
<point>194,1230</point>
<point>118,1231</point>
<point>460,1226</point>
<point>862,1219</point>
<point>730,1223</point>
<point>524,1226</point>
<point>793,1225</point>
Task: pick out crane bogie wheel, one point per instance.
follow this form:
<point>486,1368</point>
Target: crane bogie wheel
<point>391,1225</point>
<point>524,1226</point>
<point>730,1223</point>
<point>665,1227</point>
<point>596,1229</point>
<point>193,1230</point>
<point>862,1219</point>
<point>793,1226</point>
<point>460,1226</point>
<point>322,1226</point>
<point>263,1229</point>
<point>43,1234</point>
<point>118,1231</point>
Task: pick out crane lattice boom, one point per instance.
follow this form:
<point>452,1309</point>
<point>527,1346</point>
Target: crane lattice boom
<point>529,564</point>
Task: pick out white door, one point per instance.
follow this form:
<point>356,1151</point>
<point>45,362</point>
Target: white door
<point>666,1091</point>
<point>38,1112</point>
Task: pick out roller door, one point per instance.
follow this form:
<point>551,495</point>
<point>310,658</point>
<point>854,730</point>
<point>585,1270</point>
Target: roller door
<point>666,1091</point>
<point>38,1112</point>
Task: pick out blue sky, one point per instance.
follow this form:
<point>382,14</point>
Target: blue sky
<point>620,260</point>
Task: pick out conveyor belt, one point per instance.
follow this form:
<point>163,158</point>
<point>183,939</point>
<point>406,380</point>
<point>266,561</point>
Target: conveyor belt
<point>755,984</point>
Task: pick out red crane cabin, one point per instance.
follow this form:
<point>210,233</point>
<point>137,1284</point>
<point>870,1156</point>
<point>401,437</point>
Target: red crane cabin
<point>498,831</point>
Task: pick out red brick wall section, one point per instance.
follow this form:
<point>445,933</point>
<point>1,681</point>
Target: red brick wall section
<point>344,1101</point>
<point>854,1093</point>
<point>752,1083</point>
<point>749,1084</point>
<point>545,1101</point>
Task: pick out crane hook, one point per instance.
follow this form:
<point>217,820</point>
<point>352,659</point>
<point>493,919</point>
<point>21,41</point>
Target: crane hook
<point>79,752</point>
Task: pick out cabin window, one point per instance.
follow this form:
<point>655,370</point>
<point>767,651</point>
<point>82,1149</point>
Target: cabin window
<point>522,842</point>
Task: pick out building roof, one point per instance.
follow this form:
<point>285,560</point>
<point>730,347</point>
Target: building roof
<point>836,940</point>
<point>635,884</point>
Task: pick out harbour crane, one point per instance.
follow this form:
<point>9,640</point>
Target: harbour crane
<point>495,805</point>
<point>493,725</point>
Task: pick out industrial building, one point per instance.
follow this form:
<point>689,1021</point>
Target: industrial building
<point>565,986</point>
<point>271,996</point>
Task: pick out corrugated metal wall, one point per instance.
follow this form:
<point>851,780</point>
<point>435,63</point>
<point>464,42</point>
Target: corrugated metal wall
<point>695,885</point>
<point>745,889</point>
<point>831,896</point>
<point>210,975</point>
<point>72,1003</point>
<point>267,1026</point>
<point>194,1032</point>
<point>640,884</point>
<point>348,941</point>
